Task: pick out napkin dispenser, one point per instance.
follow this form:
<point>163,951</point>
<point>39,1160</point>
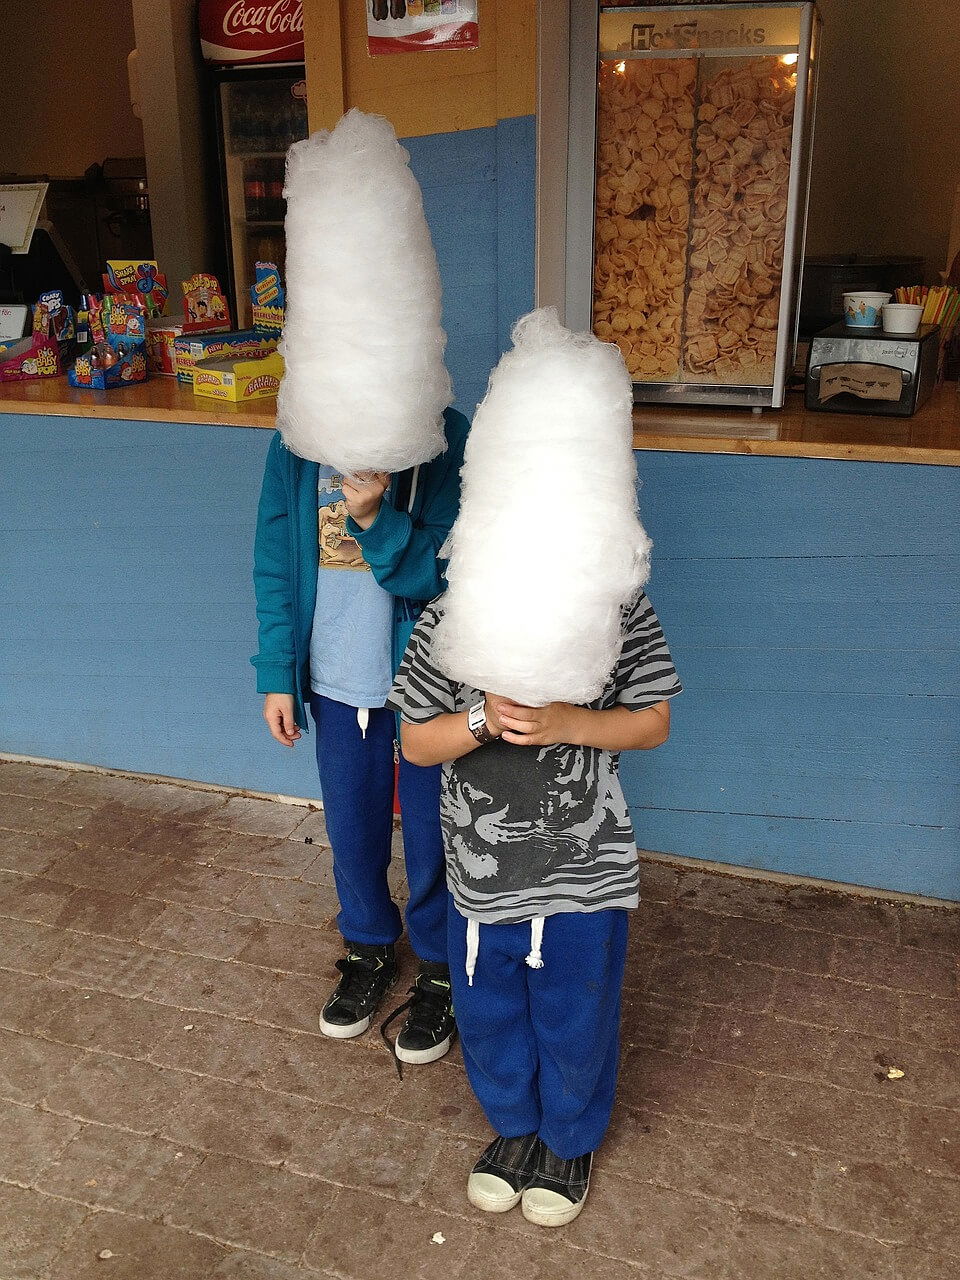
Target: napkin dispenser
<point>858,371</point>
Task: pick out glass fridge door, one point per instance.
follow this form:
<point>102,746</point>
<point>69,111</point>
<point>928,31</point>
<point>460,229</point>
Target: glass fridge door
<point>697,191</point>
<point>261,118</point>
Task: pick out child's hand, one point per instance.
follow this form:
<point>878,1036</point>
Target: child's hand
<point>363,494</point>
<point>535,726</point>
<point>278,713</point>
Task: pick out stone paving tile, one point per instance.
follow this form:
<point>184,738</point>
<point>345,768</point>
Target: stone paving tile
<point>931,1077</point>
<point>216,986</point>
<point>198,931</point>
<point>830,1119</point>
<point>30,1140</point>
<point>118,1091</point>
<point>688,1087</point>
<point>292,948</point>
<point>140,1251</point>
<point>264,855</point>
<point>258,817</point>
<point>544,1255</point>
<point>441,1099</point>
<point>890,1202</point>
<point>764,1042</point>
<point>843,1006</point>
<point>932,1020</point>
<point>34,1229</point>
<point>19,778</point>
<point>152,798</point>
<point>210,1045</point>
<point>172,837</point>
<point>320,870</point>
<point>27,1003</point>
<point>919,1264</point>
<point>658,1024</point>
<point>194,885</point>
<point>32,815</point>
<point>341,1073</point>
<point>363,1151</point>
<point>113,915</point>
<point>32,898</point>
<point>115,870</point>
<point>233,1120</point>
<point>685,975</point>
<point>30,1067</point>
<point>930,928</point>
<point>106,964</point>
<point>383,1229</point>
<point>114,1169</point>
<point>667,924</point>
<point>932,1140</point>
<point>641,958</point>
<point>291,901</point>
<point>768,942</point>
<point>658,880</point>
<point>696,1157</point>
<point>903,968</point>
<point>32,854</point>
<point>312,827</point>
<point>131,1027</point>
<point>761,1247</point>
<point>28,947</point>
<point>247,1205</point>
<point>294,1001</point>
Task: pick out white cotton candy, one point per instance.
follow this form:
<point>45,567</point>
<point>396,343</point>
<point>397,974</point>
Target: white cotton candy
<point>365,384</point>
<point>548,545</point>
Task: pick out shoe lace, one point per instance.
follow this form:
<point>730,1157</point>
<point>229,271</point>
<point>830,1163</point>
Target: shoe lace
<point>429,1002</point>
<point>359,976</point>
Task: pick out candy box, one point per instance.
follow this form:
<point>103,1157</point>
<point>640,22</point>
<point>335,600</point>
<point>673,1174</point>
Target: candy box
<point>128,275</point>
<point>162,333</point>
<point>268,298</point>
<point>36,356</point>
<point>242,344</point>
<point>205,308</point>
<point>239,380</point>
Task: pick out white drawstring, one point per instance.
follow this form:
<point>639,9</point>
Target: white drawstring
<point>473,946</point>
<point>535,958</point>
<point>363,719</point>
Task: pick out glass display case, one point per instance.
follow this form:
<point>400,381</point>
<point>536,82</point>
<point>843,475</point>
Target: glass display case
<point>703,123</point>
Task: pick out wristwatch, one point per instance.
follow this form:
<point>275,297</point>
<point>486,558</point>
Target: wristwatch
<point>477,722</point>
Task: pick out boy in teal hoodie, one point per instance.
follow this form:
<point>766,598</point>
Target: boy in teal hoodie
<point>343,567</point>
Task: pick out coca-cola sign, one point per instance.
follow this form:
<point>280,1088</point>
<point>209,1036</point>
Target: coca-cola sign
<point>251,31</point>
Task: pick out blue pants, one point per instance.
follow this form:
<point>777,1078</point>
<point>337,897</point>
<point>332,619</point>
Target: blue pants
<point>356,780</point>
<point>541,1045</point>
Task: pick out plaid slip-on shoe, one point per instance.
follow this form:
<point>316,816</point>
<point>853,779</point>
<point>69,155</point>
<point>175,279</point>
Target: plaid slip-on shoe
<point>498,1178</point>
<point>557,1189</point>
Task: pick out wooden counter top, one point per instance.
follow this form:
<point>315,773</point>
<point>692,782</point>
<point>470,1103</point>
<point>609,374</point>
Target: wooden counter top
<point>931,436</point>
<point>157,400</point>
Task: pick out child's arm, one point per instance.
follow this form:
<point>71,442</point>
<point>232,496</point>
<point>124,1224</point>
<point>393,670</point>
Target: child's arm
<point>445,737</point>
<point>615,729</point>
<point>275,658</point>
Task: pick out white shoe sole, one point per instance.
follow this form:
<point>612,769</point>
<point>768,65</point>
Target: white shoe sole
<point>484,1194</point>
<point>424,1055</point>
<point>548,1209</point>
<point>337,1032</point>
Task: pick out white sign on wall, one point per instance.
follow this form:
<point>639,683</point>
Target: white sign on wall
<point>20,205</point>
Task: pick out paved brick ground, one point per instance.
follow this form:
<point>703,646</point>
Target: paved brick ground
<point>164,1095</point>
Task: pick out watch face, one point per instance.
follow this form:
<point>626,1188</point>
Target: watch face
<point>477,715</point>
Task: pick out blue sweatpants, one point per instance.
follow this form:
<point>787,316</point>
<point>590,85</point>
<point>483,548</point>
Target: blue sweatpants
<point>541,1045</point>
<point>356,780</point>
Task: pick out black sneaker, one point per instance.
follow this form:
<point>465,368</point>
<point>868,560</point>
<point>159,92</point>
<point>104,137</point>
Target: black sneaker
<point>368,974</point>
<point>557,1189</point>
<point>499,1177</point>
<point>429,1028</point>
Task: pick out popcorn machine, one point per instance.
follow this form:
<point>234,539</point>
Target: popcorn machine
<point>704,118</point>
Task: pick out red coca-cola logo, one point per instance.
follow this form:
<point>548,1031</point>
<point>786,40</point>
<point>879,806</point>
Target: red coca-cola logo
<point>251,31</point>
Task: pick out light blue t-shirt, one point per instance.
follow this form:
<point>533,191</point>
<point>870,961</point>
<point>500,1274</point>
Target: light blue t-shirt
<point>350,644</point>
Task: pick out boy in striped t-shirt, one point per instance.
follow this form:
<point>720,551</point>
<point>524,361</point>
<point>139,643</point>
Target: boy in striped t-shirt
<point>541,865</point>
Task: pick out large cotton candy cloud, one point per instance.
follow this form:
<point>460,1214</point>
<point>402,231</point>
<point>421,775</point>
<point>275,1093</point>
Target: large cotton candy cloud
<point>365,384</point>
<point>548,545</point>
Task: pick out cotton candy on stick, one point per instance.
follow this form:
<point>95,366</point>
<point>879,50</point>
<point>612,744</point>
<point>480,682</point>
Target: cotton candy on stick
<point>365,383</point>
<point>548,545</point>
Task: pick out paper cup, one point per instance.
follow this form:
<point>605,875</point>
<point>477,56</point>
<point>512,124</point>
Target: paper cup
<point>862,310</point>
<point>902,317</point>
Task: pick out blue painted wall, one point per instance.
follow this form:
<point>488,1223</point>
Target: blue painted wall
<point>813,609</point>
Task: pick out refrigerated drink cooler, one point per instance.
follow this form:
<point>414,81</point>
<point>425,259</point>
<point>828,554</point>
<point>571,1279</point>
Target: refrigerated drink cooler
<point>704,119</point>
<point>260,112</point>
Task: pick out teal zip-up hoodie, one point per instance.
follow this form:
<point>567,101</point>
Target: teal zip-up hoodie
<point>400,547</point>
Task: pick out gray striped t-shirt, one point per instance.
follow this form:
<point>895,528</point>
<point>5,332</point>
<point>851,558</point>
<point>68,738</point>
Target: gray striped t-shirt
<point>532,832</point>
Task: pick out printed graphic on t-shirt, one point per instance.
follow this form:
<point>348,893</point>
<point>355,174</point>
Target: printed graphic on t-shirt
<point>338,550</point>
